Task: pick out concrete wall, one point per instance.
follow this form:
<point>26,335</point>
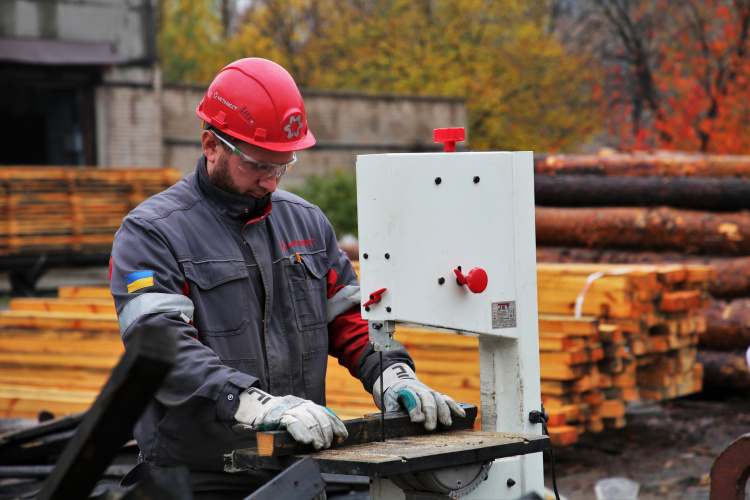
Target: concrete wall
<point>129,123</point>
<point>128,25</point>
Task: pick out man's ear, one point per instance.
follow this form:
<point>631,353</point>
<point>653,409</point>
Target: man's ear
<point>210,145</point>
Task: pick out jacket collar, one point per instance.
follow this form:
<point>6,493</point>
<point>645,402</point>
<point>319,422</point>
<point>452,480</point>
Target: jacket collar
<point>233,208</point>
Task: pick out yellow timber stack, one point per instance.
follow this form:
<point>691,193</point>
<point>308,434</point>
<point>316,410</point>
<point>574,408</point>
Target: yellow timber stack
<point>634,341</point>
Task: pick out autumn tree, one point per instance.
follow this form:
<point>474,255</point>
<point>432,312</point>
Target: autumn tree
<point>522,90</point>
<point>190,33</point>
<point>677,73</point>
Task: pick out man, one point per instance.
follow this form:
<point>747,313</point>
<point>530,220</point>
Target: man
<point>253,279</point>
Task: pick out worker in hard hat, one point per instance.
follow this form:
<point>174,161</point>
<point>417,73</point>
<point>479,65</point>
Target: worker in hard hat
<point>254,280</point>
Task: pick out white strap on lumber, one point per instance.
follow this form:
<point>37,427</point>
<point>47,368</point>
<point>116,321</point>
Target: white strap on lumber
<point>589,280</point>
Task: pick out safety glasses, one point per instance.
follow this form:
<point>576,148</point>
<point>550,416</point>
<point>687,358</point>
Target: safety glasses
<point>253,166</point>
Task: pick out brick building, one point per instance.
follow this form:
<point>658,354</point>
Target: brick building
<point>80,84</point>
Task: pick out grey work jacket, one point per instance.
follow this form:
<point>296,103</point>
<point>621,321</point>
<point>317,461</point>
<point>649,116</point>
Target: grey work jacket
<point>256,303</point>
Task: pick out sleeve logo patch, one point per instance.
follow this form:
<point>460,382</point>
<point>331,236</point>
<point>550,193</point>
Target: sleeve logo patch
<point>139,279</point>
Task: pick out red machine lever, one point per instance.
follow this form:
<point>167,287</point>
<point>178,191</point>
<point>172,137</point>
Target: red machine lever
<point>476,280</point>
<point>374,297</point>
<point>449,137</point>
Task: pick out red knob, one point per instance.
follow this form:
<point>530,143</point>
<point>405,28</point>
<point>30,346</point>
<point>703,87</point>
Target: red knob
<point>375,297</point>
<point>476,280</point>
<point>449,137</point>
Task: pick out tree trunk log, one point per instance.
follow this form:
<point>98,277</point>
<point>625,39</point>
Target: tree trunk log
<point>732,273</point>
<point>643,165</point>
<point>680,192</point>
<point>660,228</point>
<point>725,370</point>
<point>727,325</point>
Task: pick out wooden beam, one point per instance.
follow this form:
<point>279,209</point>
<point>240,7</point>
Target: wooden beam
<point>680,192</point>
<point>645,165</point>
<point>361,430</point>
<point>661,228</point>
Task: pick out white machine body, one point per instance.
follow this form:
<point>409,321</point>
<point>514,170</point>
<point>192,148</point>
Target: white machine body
<point>421,216</point>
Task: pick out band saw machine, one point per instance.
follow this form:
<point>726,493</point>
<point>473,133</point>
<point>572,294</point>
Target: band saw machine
<point>447,243</point>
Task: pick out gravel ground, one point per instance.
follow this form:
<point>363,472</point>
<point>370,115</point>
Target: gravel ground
<point>667,448</point>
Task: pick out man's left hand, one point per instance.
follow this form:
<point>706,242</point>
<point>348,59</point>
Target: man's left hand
<point>402,388</point>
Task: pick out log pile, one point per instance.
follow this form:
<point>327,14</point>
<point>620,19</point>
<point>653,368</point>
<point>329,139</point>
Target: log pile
<point>657,208</point>
<point>70,209</point>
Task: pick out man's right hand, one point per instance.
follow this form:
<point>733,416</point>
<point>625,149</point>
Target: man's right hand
<point>303,419</point>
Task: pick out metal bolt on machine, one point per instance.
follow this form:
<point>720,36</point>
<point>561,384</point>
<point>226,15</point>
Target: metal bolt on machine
<point>447,243</point>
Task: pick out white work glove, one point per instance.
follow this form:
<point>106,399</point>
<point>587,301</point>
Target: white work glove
<point>305,421</point>
<point>400,385</point>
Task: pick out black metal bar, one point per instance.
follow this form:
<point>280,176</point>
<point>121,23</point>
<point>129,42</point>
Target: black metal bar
<point>301,481</point>
<point>382,401</point>
<point>108,424</point>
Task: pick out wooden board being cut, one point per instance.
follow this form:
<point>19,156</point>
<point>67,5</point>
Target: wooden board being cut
<point>397,456</point>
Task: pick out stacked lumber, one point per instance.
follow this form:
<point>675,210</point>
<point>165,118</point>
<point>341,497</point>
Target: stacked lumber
<point>56,354</point>
<point>657,208</point>
<point>64,209</point>
<point>635,340</point>
<point>609,335</point>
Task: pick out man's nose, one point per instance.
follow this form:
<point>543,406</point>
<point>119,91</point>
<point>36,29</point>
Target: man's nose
<point>269,183</point>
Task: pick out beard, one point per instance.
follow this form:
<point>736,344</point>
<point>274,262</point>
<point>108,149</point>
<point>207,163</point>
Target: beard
<point>222,178</point>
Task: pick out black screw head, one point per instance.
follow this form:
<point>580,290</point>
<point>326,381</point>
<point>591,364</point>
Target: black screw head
<point>476,179</point>
<point>438,180</point>
<point>511,482</point>
<point>441,280</point>
<point>365,255</point>
<point>387,256</point>
<point>388,309</point>
<point>367,308</point>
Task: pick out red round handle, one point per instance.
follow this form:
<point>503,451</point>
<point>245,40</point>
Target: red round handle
<point>476,280</point>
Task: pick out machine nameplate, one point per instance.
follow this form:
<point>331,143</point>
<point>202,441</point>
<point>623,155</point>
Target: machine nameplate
<point>504,314</point>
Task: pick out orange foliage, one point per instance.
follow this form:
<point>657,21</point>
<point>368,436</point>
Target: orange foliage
<point>698,66</point>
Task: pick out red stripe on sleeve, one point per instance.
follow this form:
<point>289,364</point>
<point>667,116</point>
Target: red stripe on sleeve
<point>332,278</point>
<point>347,338</point>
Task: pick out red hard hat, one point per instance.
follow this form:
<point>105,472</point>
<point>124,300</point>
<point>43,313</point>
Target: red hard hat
<point>256,101</point>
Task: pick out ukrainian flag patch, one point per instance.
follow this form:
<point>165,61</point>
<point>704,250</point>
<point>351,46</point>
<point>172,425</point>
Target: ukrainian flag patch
<point>139,279</point>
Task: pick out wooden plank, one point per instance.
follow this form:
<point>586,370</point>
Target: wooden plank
<point>96,306</point>
<point>562,435</point>
<point>410,454</point>
<point>586,325</point>
<point>363,430</point>
<point>84,292</point>
<point>681,300</point>
<point>61,320</point>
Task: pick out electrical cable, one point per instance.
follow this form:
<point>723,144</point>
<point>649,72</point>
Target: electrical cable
<point>382,402</point>
<point>551,461</point>
<point>541,417</point>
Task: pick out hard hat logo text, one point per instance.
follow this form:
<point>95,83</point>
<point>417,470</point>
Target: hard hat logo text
<point>224,101</point>
<point>288,128</point>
